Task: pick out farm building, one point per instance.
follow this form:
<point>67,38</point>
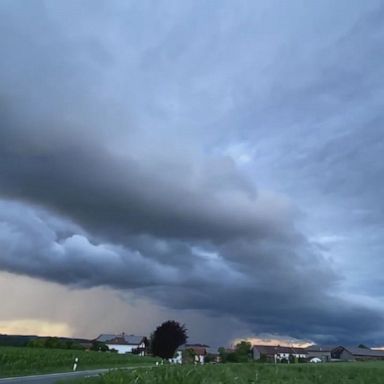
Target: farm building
<point>278,353</point>
<point>356,354</point>
<point>323,352</point>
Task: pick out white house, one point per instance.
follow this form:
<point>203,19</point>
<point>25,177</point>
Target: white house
<point>124,343</point>
<point>178,358</point>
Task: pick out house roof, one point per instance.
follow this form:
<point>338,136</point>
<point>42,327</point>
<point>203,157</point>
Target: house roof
<point>197,345</point>
<point>320,348</point>
<point>273,349</point>
<point>120,339</point>
<point>355,351</point>
<point>199,349</point>
<point>105,337</point>
<point>132,339</point>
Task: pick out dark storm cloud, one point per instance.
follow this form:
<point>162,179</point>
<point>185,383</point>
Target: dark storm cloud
<point>114,169</point>
<point>77,177</point>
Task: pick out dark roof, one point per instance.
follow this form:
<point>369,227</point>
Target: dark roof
<point>120,339</point>
<point>132,339</point>
<point>105,337</point>
<point>320,348</point>
<point>196,345</point>
<point>273,349</point>
<point>199,349</point>
<point>300,350</point>
<point>355,351</point>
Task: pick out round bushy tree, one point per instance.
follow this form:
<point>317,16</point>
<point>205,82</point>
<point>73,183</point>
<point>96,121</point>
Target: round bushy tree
<point>167,338</point>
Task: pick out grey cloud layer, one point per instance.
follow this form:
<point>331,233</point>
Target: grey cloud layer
<point>261,285</point>
<point>112,143</point>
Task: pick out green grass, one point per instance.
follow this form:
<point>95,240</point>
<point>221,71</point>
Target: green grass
<point>337,373</point>
<point>18,361</point>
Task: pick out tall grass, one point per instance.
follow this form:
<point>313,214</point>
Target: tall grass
<point>352,373</point>
<point>15,361</point>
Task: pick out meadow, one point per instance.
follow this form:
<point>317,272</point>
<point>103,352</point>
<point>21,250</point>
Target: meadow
<point>18,361</point>
<point>249,373</point>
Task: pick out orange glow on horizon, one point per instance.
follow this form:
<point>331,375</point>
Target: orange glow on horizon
<point>34,327</point>
<point>286,342</point>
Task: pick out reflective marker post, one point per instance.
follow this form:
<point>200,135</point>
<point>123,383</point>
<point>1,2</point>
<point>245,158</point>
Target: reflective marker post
<point>75,363</point>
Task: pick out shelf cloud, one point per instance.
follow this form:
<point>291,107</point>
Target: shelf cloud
<point>211,162</point>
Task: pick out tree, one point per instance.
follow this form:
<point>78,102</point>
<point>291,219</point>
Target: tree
<point>291,359</point>
<point>167,338</point>
<point>243,348</point>
<point>210,358</point>
<point>243,351</point>
<point>222,354</point>
<point>99,346</point>
<point>189,355</point>
<point>233,357</point>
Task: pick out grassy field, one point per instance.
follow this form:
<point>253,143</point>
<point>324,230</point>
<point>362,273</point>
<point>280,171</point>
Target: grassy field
<point>16,361</point>
<point>337,373</point>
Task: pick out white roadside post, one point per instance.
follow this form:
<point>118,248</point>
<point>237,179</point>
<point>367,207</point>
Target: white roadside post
<point>75,363</point>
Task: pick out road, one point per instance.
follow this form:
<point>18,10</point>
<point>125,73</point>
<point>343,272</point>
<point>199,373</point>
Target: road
<point>53,378</point>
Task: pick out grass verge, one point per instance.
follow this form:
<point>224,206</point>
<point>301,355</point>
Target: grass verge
<point>20,361</point>
<point>339,373</point>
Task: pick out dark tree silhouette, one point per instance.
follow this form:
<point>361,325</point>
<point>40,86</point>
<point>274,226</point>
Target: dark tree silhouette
<point>167,338</point>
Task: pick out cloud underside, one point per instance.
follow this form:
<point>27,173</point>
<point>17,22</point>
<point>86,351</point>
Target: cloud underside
<point>119,171</point>
<point>268,280</point>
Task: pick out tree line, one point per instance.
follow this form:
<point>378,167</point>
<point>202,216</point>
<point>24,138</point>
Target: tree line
<point>163,342</point>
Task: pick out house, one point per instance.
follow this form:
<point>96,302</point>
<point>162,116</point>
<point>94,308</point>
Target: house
<point>124,343</point>
<point>197,352</point>
<point>322,352</point>
<point>356,354</point>
<point>178,358</point>
<point>278,353</point>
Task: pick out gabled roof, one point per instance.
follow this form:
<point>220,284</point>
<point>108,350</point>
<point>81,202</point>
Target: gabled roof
<point>132,339</point>
<point>355,351</point>
<point>320,348</point>
<point>199,349</point>
<point>273,349</point>
<point>121,339</point>
<point>105,337</point>
<point>197,345</point>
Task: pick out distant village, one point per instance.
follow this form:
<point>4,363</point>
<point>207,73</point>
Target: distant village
<point>202,353</point>
<point>264,353</point>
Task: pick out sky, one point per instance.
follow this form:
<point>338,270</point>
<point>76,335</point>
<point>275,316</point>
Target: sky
<point>218,163</point>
